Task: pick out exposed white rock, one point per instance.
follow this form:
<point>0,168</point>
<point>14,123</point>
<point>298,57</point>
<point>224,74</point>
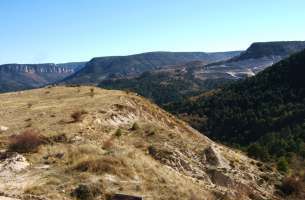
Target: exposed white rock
<point>3,128</point>
<point>15,163</point>
<point>7,198</point>
<point>77,139</point>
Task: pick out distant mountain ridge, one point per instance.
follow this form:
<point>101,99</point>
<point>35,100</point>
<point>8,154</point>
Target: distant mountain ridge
<point>14,77</point>
<point>178,82</point>
<point>102,68</point>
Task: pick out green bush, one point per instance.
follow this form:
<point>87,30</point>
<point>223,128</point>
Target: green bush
<point>135,126</point>
<point>282,165</point>
<point>118,132</point>
<point>258,152</point>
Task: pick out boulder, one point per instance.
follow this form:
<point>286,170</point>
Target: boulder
<point>212,157</point>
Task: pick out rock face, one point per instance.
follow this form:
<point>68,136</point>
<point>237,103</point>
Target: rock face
<point>256,58</point>
<point>272,50</point>
<point>163,158</point>
<point>26,76</point>
<point>35,68</point>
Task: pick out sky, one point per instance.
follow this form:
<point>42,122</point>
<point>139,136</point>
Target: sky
<point>40,31</point>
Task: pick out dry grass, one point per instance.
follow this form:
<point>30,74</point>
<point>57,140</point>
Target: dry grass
<point>75,153</point>
<point>140,144</point>
<point>105,164</point>
<point>94,161</point>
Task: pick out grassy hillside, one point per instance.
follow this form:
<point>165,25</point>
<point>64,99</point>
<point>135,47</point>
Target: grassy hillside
<point>84,143</point>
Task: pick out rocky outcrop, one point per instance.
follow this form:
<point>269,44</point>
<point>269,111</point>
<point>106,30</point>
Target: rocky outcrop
<point>212,157</point>
<point>272,49</point>
<point>15,77</point>
<point>13,164</point>
<point>35,68</point>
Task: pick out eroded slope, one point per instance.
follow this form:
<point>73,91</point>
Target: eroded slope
<point>118,143</point>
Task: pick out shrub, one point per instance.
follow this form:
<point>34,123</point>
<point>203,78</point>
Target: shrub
<point>118,132</point>
<point>282,165</point>
<point>292,186</point>
<point>26,142</point>
<point>152,150</point>
<point>258,152</point>
<point>92,92</point>
<point>85,192</point>
<point>77,116</point>
<point>135,126</point>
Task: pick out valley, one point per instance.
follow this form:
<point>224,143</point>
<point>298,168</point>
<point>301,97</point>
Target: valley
<point>251,101</point>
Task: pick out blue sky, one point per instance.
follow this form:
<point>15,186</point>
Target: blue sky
<point>37,31</point>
